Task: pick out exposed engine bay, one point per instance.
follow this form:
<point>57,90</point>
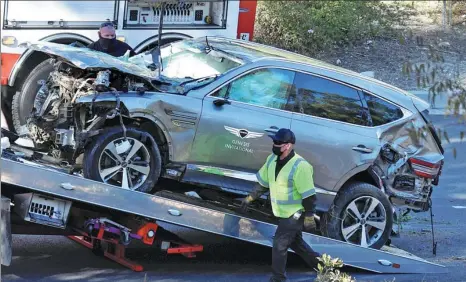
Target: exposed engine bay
<point>59,125</point>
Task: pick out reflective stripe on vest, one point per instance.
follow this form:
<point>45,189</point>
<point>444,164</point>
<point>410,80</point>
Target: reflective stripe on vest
<point>290,200</point>
<point>259,177</point>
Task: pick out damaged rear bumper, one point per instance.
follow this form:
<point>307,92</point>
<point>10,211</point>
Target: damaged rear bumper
<point>409,164</point>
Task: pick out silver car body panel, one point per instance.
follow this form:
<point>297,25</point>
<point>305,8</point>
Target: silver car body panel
<point>178,122</point>
<point>46,180</point>
<point>85,58</point>
<point>177,119</point>
<point>200,133</point>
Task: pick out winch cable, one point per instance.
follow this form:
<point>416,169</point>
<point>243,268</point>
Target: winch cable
<point>434,244</point>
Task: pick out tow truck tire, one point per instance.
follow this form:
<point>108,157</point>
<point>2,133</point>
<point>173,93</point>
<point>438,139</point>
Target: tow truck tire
<point>23,100</point>
<point>331,222</point>
<point>96,148</point>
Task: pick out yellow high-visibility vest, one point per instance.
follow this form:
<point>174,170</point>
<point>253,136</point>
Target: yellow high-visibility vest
<point>294,183</point>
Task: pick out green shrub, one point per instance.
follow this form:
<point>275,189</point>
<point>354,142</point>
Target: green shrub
<point>307,27</point>
<point>328,270</point>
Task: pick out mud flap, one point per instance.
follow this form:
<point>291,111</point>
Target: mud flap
<point>6,232</point>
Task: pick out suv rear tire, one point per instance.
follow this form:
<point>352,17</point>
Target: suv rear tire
<point>347,218</point>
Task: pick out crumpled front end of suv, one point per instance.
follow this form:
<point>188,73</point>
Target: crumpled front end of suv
<point>411,159</point>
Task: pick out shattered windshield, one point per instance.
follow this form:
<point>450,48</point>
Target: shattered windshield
<point>189,63</point>
<point>191,60</point>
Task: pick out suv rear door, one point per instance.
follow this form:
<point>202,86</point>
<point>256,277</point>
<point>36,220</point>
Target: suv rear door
<point>231,141</point>
<point>332,127</point>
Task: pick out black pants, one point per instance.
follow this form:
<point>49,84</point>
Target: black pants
<point>289,235</point>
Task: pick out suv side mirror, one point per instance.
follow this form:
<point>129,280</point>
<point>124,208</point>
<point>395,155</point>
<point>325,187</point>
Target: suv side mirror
<point>220,102</point>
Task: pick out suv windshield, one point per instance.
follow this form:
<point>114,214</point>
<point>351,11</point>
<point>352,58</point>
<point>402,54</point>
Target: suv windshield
<point>189,59</point>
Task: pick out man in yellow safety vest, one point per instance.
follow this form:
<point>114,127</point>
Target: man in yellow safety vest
<point>290,180</point>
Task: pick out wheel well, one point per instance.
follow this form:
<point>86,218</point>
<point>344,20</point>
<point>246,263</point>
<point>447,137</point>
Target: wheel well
<point>150,127</point>
<point>8,92</point>
<point>363,176</point>
<point>28,65</point>
<point>33,60</point>
<point>155,44</point>
<point>152,41</point>
<point>68,41</point>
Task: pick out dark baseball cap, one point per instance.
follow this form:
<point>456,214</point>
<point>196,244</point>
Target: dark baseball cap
<point>283,136</point>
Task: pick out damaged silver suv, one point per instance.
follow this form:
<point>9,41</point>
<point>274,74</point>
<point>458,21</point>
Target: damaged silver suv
<point>203,115</point>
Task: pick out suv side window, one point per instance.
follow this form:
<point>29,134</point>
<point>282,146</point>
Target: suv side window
<point>382,112</point>
<point>320,97</point>
<point>264,87</point>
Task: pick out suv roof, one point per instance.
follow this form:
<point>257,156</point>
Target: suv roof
<point>251,52</point>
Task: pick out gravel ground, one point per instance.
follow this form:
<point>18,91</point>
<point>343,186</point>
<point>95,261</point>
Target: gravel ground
<point>386,56</point>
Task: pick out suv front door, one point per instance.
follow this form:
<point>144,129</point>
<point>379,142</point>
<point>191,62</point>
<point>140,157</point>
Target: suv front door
<point>231,141</point>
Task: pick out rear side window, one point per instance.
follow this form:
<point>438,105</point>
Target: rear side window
<point>320,97</point>
<point>382,112</point>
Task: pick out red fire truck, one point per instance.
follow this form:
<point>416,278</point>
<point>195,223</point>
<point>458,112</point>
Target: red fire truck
<point>136,23</point>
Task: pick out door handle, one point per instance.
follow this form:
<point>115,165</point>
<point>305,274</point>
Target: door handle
<point>362,149</point>
<point>272,129</point>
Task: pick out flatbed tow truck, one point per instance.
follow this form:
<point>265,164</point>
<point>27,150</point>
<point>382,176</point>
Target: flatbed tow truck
<point>46,199</point>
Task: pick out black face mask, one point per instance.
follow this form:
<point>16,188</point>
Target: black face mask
<point>276,150</point>
<point>106,43</point>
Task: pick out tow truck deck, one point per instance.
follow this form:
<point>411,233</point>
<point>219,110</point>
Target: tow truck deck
<point>43,194</point>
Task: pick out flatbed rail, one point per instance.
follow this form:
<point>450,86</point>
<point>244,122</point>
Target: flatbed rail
<point>46,180</point>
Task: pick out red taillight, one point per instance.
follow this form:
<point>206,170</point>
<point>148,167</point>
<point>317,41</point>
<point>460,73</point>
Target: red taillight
<point>425,169</point>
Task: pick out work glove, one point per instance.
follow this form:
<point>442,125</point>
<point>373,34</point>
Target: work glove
<point>309,222</point>
<point>245,203</point>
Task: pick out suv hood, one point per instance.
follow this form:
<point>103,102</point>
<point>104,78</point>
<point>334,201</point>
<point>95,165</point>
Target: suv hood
<point>85,58</point>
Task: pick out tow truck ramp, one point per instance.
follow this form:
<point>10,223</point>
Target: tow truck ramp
<point>46,180</point>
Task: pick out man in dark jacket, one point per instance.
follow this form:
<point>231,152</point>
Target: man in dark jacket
<point>108,43</point>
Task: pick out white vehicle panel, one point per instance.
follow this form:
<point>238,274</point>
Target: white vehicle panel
<point>135,37</point>
<point>60,10</point>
